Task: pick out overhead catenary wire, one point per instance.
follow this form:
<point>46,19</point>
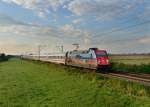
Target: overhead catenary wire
<point>121,29</point>
<point>125,39</point>
<point>137,32</point>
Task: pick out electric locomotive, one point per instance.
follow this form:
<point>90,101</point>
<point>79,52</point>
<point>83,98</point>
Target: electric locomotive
<point>92,58</point>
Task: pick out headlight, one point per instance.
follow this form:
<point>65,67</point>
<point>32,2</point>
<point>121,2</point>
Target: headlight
<point>107,61</point>
<point>99,61</point>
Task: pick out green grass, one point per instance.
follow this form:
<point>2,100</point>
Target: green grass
<point>131,63</point>
<point>131,59</point>
<point>34,84</point>
<point>143,68</point>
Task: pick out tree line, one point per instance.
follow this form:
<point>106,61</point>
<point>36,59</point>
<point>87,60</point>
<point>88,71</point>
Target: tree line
<point>4,57</point>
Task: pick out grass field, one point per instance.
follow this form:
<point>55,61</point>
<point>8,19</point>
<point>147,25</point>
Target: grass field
<point>131,59</point>
<point>131,63</point>
<point>34,84</point>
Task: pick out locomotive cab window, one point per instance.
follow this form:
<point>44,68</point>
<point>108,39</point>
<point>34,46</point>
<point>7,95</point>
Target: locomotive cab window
<point>101,54</point>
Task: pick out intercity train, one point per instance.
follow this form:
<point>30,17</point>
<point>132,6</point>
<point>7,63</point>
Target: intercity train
<point>93,58</point>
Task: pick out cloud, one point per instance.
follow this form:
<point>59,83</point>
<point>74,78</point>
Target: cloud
<point>81,11</point>
<point>13,47</point>
<point>77,21</point>
<point>145,40</point>
<point>99,9</point>
<point>5,19</point>
<point>29,31</point>
<point>28,35</point>
<point>72,32</point>
<point>23,29</point>
<point>102,8</point>
<point>41,7</point>
<point>67,28</point>
<point>147,10</point>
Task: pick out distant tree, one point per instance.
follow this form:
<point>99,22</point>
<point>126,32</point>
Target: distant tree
<point>3,57</point>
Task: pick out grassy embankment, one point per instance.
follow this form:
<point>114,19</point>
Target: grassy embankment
<point>131,63</point>
<point>34,84</point>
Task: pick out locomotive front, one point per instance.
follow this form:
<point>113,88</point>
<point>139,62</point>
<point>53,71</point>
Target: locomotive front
<point>102,59</point>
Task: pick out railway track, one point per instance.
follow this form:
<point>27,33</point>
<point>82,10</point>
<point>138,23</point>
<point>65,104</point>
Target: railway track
<point>142,79</point>
<point>133,77</point>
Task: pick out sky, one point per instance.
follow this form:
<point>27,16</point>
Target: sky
<point>119,26</point>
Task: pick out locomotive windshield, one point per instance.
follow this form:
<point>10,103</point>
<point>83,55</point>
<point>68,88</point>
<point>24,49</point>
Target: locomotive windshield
<point>101,54</point>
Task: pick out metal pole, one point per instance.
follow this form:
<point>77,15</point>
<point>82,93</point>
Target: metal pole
<point>39,50</point>
<point>62,48</point>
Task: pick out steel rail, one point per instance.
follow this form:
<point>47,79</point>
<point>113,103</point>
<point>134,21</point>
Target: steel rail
<point>128,77</point>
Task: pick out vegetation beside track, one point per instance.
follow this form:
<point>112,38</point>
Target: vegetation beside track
<point>143,68</point>
<point>131,59</point>
<point>131,63</point>
<point>37,84</point>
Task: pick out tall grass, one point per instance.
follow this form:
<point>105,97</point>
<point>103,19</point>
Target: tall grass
<point>143,68</point>
<point>37,84</point>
